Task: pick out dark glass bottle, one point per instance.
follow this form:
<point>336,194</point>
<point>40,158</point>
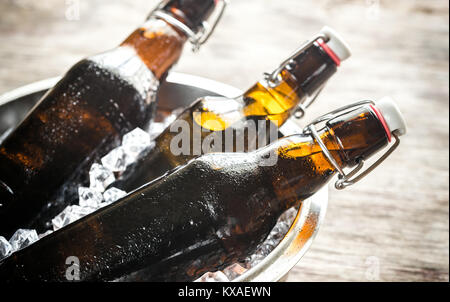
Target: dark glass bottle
<point>209,213</point>
<point>274,100</point>
<point>85,115</point>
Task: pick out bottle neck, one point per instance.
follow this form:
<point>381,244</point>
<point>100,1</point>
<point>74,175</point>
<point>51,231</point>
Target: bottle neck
<point>303,167</point>
<point>306,74</point>
<point>359,134</point>
<point>160,44</point>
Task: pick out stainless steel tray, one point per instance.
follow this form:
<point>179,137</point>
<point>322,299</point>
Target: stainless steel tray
<point>179,91</point>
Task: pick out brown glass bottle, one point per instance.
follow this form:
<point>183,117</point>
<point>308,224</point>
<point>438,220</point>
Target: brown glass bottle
<point>307,71</point>
<point>85,115</point>
<point>205,215</point>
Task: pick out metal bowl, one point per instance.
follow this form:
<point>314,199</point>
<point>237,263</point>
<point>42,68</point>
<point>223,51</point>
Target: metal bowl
<point>179,90</point>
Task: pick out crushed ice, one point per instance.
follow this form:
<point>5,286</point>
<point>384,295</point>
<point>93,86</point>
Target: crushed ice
<point>135,143</point>
<point>23,238</point>
<point>112,195</point>
<point>89,198</point>
<point>100,177</point>
<point>115,161</point>
<point>262,251</point>
<point>5,247</point>
<point>69,215</point>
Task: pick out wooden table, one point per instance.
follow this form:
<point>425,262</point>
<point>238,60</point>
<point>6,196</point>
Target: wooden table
<point>394,225</point>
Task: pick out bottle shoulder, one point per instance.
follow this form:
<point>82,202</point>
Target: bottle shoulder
<point>121,66</point>
<point>217,113</point>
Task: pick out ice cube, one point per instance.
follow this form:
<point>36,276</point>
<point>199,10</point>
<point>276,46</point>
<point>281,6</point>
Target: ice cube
<point>100,178</point>
<point>89,197</point>
<point>213,277</point>
<point>115,160</point>
<point>261,252</point>
<point>267,247</point>
<point>112,195</point>
<point>71,214</point>
<point>156,129</point>
<point>23,238</point>
<point>5,248</point>
<point>276,235</point>
<point>289,215</point>
<point>134,143</point>
<point>64,218</point>
<point>45,234</point>
<point>278,232</point>
<point>79,212</point>
<point>254,260</point>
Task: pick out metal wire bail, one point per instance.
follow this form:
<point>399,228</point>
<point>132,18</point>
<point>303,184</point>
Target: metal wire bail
<point>206,30</point>
<point>346,180</point>
<point>274,78</point>
<point>350,179</point>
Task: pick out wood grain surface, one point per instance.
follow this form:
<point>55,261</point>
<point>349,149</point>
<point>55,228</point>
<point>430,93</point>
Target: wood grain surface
<point>394,225</point>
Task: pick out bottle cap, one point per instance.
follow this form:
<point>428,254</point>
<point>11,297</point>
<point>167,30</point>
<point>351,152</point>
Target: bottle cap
<point>391,115</point>
<point>336,43</point>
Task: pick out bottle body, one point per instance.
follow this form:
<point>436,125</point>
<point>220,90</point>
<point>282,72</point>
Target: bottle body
<point>84,116</point>
<point>240,124</point>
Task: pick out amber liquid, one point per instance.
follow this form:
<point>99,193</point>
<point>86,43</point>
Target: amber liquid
<point>201,217</point>
<point>218,115</point>
<point>83,117</point>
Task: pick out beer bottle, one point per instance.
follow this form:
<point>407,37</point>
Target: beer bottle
<point>274,99</point>
<point>215,210</point>
<point>85,115</point>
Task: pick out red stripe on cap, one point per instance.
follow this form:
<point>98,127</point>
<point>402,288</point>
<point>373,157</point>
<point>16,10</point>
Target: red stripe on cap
<point>329,52</point>
<point>383,122</point>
